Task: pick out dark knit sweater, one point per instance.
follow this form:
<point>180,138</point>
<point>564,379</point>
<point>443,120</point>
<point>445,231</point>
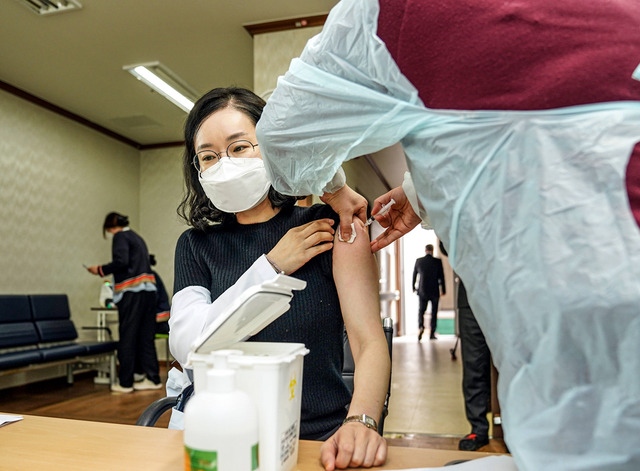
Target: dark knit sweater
<point>130,262</point>
<point>216,259</point>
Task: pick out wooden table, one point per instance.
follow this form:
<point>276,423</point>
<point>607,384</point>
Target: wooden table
<point>63,444</point>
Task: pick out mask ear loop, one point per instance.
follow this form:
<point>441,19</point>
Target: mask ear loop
<point>196,166</point>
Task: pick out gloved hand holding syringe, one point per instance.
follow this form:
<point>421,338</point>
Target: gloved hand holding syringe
<point>385,208</point>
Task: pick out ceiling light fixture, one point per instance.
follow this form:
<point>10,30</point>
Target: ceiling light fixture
<point>165,82</point>
<point>48,7</point>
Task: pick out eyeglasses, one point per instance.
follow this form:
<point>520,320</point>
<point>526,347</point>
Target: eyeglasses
<point>208,158</point>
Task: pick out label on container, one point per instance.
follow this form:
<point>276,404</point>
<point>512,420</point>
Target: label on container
<point>254,458</point>
<point>288,442</point>
<point>198,460</point>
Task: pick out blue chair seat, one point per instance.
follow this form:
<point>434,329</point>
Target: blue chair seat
<point>62,352</point>
<point>19,359</point>
<point>17,334</point>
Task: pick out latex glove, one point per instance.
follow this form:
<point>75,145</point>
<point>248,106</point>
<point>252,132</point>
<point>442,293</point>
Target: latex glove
<point>300,244</point>
<point>353,446</point>
<point>399,220</point>
<point>347,203</point>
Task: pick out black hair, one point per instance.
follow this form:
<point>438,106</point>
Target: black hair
<point>114,219</point>
<point>196,208</point>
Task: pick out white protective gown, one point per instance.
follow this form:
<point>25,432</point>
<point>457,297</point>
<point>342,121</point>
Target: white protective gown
<point>533,209</point>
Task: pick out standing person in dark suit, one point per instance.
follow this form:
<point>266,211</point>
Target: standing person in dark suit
<point>476,374</point>
<point>430,282</point>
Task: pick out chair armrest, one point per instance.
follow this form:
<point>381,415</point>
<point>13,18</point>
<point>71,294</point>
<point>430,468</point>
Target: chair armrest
<point>107,329</point>
<point>152,413</point>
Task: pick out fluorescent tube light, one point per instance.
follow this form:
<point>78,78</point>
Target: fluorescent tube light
<point>48,7</point>
<point>159,78</point>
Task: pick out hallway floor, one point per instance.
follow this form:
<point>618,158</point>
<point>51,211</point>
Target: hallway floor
<point>426,407</point>
<point>426,388</point>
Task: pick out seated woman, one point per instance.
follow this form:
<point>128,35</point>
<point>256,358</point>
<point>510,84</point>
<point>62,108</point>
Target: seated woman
<point>243,233</point>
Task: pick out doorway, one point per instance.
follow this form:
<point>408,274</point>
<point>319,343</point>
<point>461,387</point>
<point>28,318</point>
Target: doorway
<point>412,247</point>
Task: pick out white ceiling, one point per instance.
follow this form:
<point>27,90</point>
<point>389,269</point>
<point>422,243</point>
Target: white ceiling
<point>74,60</point>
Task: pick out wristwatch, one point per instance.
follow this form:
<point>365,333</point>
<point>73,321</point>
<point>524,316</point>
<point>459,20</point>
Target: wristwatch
<point>363,419</point>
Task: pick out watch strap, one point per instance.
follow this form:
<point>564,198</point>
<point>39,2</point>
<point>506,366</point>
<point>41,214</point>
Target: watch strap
<point>363,419</point>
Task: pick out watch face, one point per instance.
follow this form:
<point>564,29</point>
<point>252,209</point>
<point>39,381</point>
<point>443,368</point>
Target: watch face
<point>363,419</point>
<point>369,421</point>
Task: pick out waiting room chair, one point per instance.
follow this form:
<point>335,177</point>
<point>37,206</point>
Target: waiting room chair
<point>156,409</point>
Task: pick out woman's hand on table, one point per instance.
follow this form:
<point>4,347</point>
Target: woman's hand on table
<point>353,445</point>
<point>300,244</point>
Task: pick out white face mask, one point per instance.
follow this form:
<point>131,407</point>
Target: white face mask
<point>236,184</point>
<point>109,235</point>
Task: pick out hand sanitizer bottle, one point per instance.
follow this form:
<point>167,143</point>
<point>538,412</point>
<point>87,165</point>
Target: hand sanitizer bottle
<point>106,294</point>
<point>221,427</point>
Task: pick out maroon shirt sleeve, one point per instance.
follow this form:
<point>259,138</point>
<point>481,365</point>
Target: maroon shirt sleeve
<point>518,55</point>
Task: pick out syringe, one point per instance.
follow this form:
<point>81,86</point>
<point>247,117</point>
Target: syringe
<point>385,208</point>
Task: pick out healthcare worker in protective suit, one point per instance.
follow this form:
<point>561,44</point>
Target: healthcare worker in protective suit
<point>519,121</point>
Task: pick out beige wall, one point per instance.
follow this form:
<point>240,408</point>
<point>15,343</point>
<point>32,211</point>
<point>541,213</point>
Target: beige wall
<point>58,180</point>
<point>272,53</point>
<point>161,189</point>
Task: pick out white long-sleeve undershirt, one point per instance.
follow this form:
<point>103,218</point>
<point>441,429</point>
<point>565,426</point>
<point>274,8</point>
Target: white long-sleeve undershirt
<point>192,309</point>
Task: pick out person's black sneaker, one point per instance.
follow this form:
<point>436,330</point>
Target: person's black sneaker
<point>472,442</point>
<point>420,334</point>
<point>433,337</point>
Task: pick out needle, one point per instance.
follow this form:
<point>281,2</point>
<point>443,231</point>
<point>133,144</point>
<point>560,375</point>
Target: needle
<point>385,208</point>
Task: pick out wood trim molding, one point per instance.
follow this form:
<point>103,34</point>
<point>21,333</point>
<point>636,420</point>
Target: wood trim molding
<point>285,25</point>
<point>67,114</point>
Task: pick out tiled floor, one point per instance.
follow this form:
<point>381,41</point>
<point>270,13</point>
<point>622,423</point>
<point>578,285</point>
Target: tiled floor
<point>426,391</point>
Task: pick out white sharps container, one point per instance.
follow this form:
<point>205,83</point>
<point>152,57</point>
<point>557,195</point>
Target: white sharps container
<point>270,373</point>
<point>221,427</point>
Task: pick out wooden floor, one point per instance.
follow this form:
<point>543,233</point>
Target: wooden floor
<point>83,400</point>
<point>425,399</point>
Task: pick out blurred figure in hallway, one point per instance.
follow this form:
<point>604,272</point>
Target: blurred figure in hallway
<point>430,284</point>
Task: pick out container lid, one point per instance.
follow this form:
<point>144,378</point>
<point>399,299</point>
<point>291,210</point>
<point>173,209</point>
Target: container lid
<point>251,312</point>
